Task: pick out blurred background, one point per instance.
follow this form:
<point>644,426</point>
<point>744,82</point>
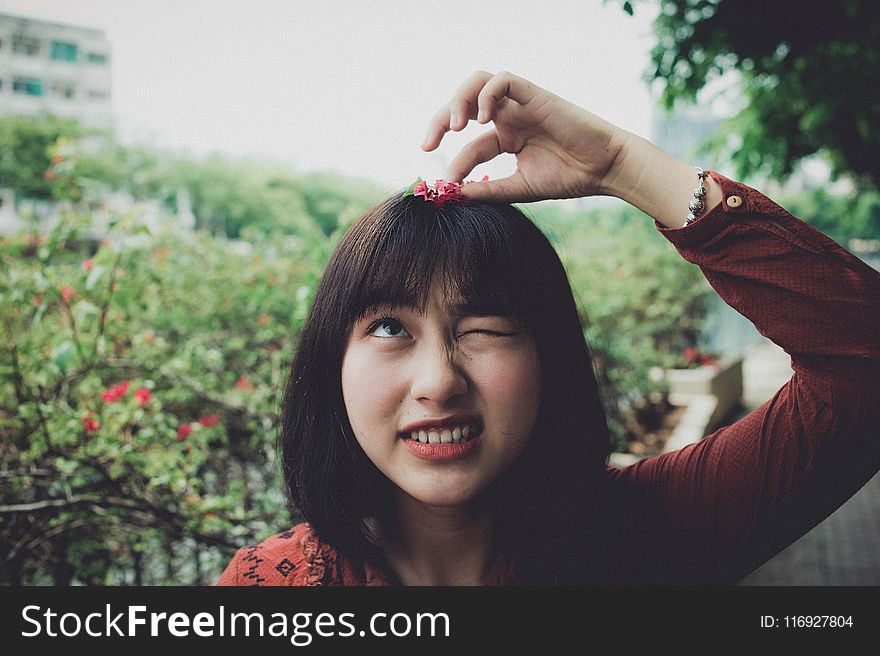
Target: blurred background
<point>173,177</point>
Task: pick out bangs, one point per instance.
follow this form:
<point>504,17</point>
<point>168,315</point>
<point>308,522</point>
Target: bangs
<point>399,252</point>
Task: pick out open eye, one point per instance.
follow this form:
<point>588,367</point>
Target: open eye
<point>387,327</point>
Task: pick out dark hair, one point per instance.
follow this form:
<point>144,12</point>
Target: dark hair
<point>547,504</point>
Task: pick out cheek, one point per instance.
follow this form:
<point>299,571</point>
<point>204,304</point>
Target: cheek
<point>514,384</point>
<point>367,387</point>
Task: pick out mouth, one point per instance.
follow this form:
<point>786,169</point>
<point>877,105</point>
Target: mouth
<point>446,434</point>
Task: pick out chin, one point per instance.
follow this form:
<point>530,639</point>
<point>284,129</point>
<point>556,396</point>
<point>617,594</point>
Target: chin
<point>444,497</point>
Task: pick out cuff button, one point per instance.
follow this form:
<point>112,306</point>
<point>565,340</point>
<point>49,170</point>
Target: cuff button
<point>734,201</point>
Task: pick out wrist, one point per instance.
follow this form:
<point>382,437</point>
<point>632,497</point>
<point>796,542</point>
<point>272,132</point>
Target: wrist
<point>656,183</point>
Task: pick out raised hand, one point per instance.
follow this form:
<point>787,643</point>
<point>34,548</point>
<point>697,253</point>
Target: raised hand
<point>562,151</point>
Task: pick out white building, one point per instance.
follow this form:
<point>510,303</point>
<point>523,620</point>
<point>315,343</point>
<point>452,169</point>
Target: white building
<point>55,68</point>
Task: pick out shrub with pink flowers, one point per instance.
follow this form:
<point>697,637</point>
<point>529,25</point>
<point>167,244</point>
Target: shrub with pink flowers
<point>139,403</point>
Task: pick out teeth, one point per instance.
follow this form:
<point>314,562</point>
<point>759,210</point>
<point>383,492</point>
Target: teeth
<point>444,435</point>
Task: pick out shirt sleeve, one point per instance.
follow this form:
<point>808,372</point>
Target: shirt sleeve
<point>715,510</point>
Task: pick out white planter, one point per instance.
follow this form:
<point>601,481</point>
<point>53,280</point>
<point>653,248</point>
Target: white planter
<point>723,381</point>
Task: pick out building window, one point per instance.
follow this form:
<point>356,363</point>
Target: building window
<point>97,58</point>
<point>62,51</point>
<point>25,45</point>
<point>64,90</point>
<point>29,86</point>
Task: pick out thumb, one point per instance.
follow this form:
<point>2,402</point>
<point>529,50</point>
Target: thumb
<point>504,190</point>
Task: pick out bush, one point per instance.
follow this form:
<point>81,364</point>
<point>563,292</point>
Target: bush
<point>138,401</point>
<point>642,304</point>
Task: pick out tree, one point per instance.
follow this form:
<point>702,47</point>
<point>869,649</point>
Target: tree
<point>25,157</point>
<point>808,77</point>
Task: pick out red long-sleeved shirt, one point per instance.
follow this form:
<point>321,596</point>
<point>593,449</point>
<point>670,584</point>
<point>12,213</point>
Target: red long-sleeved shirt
<point>714,511</point>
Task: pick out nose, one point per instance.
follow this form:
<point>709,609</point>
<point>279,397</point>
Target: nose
<point>437,377</point>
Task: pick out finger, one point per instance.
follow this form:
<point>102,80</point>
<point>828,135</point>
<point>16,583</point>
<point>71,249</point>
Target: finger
<point>463,106</point>
<point>481,149</point>
<point>503,190</point>
<point>455,114</point>
<point>501,86</point>
<point>437,127</point>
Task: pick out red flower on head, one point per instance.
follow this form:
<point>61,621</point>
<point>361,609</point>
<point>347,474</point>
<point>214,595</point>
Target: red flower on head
<point>115,393</point>
<point>421,189</point>
<point>87,265</point>
<point>441,193</point>
<point>143,396</point>
<point>66,294</point>
<point>210,420</point>
<point>183,432</point>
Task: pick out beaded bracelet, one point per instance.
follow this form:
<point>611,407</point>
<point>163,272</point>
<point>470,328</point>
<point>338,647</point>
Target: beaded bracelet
<point>698,203</point>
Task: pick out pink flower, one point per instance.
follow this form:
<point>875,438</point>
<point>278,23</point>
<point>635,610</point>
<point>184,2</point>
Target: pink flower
<point>66,294</point>
<point>691,354</point>
<point>421,189</point>
<point>143,396</point>
<point>115,393</point>
<point>87,265</point>
<point>244,384</point>
<point>210,420</point>
<point>442,192</point>
<point>89,424</point>
<point>183,432</point>
<point>38,301</point>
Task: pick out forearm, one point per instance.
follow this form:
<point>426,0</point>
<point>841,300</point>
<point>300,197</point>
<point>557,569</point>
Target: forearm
<point>655,182</point>
<point>800,288</point>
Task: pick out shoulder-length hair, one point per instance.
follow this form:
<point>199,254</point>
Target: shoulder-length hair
<point>546,505</point>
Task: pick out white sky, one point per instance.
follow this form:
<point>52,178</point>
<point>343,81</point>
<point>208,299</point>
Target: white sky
<point>349,86</point>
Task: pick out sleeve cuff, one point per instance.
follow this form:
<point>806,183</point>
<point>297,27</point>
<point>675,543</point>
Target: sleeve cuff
<point>736,199</point>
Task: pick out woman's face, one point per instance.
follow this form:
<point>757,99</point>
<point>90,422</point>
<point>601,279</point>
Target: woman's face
<point>443,402</point>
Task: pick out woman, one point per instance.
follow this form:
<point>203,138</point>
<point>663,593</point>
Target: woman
<point>442,424</point>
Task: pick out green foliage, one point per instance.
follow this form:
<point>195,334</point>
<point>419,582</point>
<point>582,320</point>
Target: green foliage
<point>25,157</point>
<point>808,77</point>
<point>138,403</point>
<point>51,158</point>
<point>642,304</point>
<point>853,216</point>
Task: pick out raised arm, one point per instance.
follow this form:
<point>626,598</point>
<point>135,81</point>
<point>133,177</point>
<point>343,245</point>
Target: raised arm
<point>725,505</point>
